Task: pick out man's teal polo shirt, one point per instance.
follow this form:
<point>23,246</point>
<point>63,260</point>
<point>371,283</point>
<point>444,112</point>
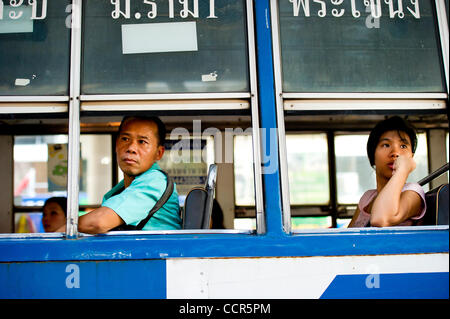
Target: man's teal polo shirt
<point>133,203</point>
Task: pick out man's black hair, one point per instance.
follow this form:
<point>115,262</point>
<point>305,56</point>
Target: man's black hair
<point>395,123</point>
<point>161,126</point>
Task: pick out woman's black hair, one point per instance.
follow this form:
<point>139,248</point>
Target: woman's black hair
<point>61,201</point>
<point>395,123</point>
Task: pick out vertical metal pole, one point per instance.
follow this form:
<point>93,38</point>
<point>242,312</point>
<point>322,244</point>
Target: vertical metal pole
<point>256,136</point>
<point>265,63</point>
<point>443,32</point>
<point>332,178</point>
<point>73,177</point>
<point>285,193</point>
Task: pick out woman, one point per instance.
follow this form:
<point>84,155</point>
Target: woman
<point>54,213</point>
<point>390,148</point>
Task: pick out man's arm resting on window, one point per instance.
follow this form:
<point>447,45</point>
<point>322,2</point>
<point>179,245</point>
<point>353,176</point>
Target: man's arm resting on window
<point>97,221</point>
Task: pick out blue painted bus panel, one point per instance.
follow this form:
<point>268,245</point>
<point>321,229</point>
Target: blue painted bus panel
<point>389,286</point>
<point>133,247</point>
<point>98,279</point>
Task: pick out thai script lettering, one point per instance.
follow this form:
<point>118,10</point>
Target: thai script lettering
<point>185,9</point>
<point>374,7</point>
<point>38,9</point>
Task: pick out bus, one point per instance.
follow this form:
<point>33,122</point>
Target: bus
<point>280,95</point>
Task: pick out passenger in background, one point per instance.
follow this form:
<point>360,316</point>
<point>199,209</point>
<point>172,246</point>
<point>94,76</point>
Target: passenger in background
<point>390,148</point>
<point>139,145</point>
<point>54,213</point>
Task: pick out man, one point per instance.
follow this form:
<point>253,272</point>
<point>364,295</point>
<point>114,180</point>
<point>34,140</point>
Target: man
<point>140,144</point>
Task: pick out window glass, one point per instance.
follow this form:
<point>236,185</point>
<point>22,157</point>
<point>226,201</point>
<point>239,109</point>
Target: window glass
<point>307,157</point>
<point>164,47</point>
<point>40,168</point>
<point>343,222</point>
<point>28,223</point>
<point>244,187</point>
<point>245,223</point>
<point>354,173</point>
<point>34,47</point>
<point>421,158</point>
<point>360,46</point>
<point>187,162</point>
<point>447,147</point>
<point>310,222</point>
<point>446,9</point>
<point>96,163</point>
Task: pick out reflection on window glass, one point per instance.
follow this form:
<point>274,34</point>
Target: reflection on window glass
<point>34,47</point>
<point>447,148</point>
<point>421,158</point>
<point>311,222</point>
<point>40,168</point>
<point>245,223</point>
<point>343,222</point>
<point>28,223</point>
<point>96,163</point>
<point>446,9</point>
<point>157,48</point>
<point>307,156</point>
<point>244,188</point>
<point>353,47</point>
<point>354,173</point>
<point>187,162</point>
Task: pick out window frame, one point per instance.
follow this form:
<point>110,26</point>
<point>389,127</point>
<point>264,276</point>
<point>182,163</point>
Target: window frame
<point>137,102</point>
<point>443,42</point>
<point>378,102</point>
<point>76,104</point>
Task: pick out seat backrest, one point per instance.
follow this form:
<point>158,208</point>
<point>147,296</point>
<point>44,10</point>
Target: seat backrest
<point>199,202</point>
<point>437,206</point>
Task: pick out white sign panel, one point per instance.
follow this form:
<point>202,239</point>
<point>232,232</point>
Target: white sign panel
<point>13,22</point>
<point>159,37</point>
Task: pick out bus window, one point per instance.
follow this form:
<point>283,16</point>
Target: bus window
<point>201,72</point>
<point>355,73</point>
<point>354,174</point>
<point>198,49</point>
<point>360,48</point>
<point>35,49</point>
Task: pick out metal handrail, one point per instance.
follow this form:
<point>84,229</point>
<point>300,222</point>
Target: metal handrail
<point>433,175</point>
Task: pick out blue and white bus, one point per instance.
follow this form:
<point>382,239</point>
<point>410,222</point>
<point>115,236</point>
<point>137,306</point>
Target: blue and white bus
<point>279,94</point>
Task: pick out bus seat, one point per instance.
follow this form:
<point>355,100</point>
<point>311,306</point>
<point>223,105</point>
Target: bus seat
<point>199,202</point>
<point>437,206</point>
